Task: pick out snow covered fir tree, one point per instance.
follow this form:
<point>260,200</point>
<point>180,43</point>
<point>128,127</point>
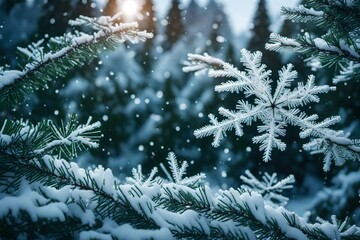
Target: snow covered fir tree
<point>104,134</point>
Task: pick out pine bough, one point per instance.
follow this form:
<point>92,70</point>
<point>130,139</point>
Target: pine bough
<point>275,109</point>
<point>89,204</point>
<point>340,45</point>
<point>43,194</point>
<point>45,63</point>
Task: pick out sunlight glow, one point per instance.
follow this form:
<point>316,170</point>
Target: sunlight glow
<point>130,8</point>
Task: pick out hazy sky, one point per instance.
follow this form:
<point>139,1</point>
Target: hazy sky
<point>240,11</point>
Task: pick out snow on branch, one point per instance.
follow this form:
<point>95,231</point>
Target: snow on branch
<point>275,109</point>
<point>22,139</point>
<point>301,13</point>
<point>46,63</point>
<point>109,24</point>
<point>99,206</point>
<point>340,45</point>
<point>33,204</point>
<point>178,173</point>
<point>139,177</point>
<point>71,136</point>
<point>279,43</point>
<point>329,52</point>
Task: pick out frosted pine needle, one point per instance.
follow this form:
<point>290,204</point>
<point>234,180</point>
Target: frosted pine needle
<point>270,187</point>
<point>274,109</point>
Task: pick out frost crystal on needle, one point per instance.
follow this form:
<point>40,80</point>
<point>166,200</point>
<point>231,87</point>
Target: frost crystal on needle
<point>274,109</point>
<point>270,188</point>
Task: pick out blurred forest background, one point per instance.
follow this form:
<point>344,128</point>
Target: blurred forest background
<point>148,106</point>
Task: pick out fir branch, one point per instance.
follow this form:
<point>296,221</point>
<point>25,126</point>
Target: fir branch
<point>215,232</point>
<point>237,206</point>
<point>333,144</point>
<point>178,199</point>
<point>71,138</point>
<point>20,138</point>
<point>70,51</point>
<point>348,71</point>
<point>110,201</point>
<point>24,140</point>
<point>340,17</point>
<point>329,50</point>
<point>339,46</point>
<point>129,208</point>
<point>301,14</point>
<point>33,214</point>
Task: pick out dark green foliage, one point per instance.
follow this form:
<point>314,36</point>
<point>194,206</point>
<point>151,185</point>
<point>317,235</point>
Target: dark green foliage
<point>29,141</point>
<point>260,36</point>
<point>338,22</point>
<point>341,19</point>
<point>175,27</point>
<point>260,29</point>
<point>181,201</point>
<point>148,22</point>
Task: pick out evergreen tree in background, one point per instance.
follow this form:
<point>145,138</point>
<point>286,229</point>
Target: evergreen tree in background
<point>148,21</point>
<point>260,33</point>
<point>175,27</point>
<point>215,37</point>
<point>260,28</point>
<point>148,18</point>
<point>192,11</point>
<point>164,140</point>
